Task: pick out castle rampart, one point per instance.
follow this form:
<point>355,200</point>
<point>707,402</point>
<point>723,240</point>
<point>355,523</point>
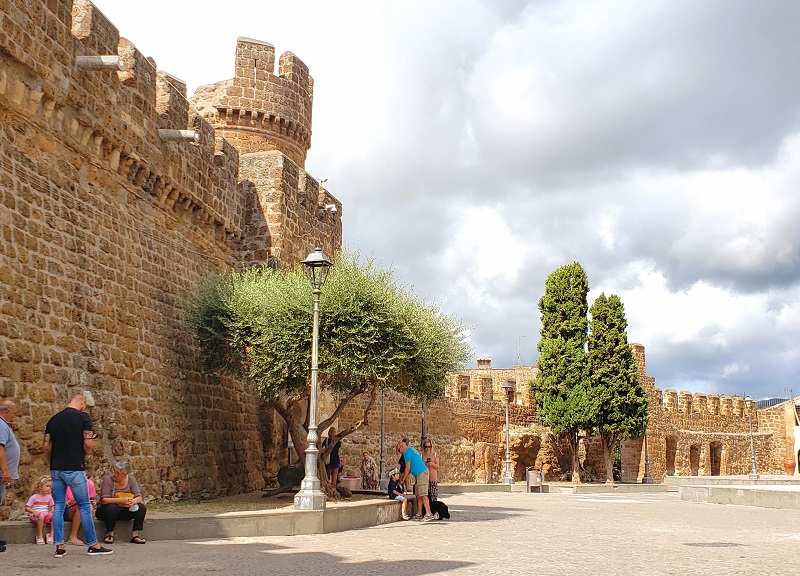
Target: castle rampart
<point>108,228</point>
<point>259,111</point>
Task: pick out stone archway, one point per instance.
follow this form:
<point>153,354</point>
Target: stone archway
<point>715,457</point>
<point>694,460</point>
<point>671,452</point>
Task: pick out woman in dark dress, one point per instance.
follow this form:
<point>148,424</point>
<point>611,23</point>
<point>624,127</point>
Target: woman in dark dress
<point>333,464</point>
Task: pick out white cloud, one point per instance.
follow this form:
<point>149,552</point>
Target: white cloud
<point>477,145</point>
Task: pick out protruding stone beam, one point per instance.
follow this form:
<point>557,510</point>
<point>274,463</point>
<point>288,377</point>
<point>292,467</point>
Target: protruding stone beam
<point>179,135</point>
<point>112,63</point>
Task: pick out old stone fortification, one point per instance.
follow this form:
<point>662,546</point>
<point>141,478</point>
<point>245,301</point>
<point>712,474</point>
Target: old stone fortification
<point>688,434</point>
<point>699,434</point>
<point>108,224</point>
<point>468,434</point>
<point>467,427</point>
<point>692,434</point>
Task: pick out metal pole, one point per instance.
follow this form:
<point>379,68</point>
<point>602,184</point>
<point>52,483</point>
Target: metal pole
<point>383,479</point>
<point>310,496</point>
<point>647,478</point>
<point>753,473</point>
<point>424,426</point>
<point>508,478</point>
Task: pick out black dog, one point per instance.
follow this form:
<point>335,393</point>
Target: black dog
<point>288,477</point>
<point>439,509</point>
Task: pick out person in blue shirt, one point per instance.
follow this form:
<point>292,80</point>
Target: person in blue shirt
<point>415,466</point>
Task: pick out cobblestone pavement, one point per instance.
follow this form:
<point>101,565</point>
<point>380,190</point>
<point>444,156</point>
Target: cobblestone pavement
<point>489,534</point>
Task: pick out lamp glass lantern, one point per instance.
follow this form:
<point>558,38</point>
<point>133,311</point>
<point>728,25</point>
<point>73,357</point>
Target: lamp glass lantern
<point>317,266</point>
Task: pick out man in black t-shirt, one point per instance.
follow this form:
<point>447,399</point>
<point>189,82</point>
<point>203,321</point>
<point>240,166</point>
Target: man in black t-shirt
<point>69,437</point>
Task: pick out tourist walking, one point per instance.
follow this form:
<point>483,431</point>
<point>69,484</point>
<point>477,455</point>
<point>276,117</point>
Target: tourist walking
<point>9,451</point>
<point>431,459</point>
<point>68,437</point>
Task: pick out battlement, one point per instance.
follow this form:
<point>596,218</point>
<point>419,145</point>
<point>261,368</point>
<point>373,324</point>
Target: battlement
<point>684,402</point>
<point>119,199</point>
<point>111,118</point>
<point>257,110</point>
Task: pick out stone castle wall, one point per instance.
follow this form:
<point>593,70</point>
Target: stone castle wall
<point>698,434</point>
<point>107,229</point>
<point>468,434</point>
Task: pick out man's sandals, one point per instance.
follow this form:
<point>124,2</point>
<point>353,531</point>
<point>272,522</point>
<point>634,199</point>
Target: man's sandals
<point>138,540</point>
<point>109,539</point>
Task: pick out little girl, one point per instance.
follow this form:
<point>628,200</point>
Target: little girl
<point>40,509</point>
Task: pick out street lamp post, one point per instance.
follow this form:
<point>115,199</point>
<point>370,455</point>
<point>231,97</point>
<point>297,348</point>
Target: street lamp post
<point>311,497</point>
<point>383,479</point>
<point>508,388</point>
<point>647,479</point>
<point>753,473</point>
<point>424,426</point>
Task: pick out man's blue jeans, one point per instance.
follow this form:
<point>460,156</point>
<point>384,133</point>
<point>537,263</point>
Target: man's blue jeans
<point>75,479</point>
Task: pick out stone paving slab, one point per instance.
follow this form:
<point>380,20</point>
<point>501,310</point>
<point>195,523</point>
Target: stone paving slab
<point>490,534</point>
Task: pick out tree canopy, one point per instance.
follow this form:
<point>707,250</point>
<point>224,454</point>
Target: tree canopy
<point>561,387</point>
<point>256,324</point>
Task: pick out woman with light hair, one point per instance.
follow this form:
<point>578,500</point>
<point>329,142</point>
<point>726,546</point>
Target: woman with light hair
<point>431,460</point>
<point>121,499</point>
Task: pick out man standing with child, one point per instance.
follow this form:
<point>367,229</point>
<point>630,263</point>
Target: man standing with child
<point>415,465</point>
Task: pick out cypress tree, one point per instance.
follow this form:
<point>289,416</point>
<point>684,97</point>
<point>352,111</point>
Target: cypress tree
<point>620,402</point>
<point>561,388</point>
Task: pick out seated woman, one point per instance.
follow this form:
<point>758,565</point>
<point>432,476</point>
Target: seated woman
<point>121,499</point>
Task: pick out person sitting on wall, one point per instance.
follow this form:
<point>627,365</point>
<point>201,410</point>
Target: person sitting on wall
<point>396,490</point>
<point>121,499</point>
<point>71,513</point>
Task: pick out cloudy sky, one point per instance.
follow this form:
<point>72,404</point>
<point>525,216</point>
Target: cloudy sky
<point>477,145</point>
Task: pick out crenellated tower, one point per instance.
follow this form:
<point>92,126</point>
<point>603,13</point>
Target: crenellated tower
<point>258,111</point>
<point>267,119</point>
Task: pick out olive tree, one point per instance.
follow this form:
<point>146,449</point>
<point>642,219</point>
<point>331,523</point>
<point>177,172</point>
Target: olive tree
<point>256,325</point>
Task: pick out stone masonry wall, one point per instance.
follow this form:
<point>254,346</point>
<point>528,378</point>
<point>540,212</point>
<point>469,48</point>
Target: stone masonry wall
<point>699,434</point>
<point>106,230</point>
<point>469,436</point>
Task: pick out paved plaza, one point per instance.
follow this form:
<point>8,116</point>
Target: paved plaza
<point>490,533</point>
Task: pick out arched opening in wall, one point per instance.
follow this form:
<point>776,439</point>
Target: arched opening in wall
<point>671,452</point>
<point>715,455</point>
<point>694,460</point>
<point>463,387</point>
